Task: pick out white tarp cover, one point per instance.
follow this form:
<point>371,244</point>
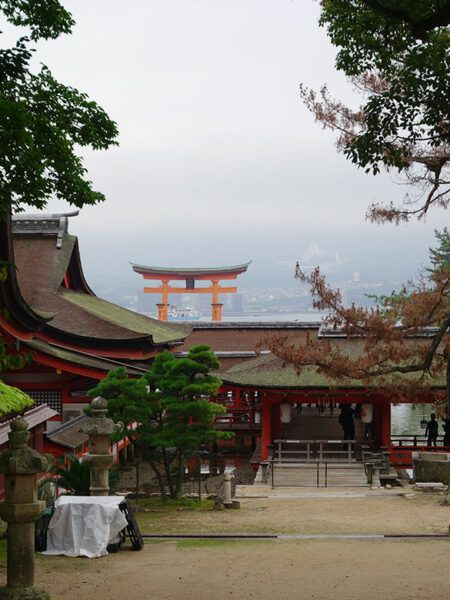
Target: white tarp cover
<point>84,525</point>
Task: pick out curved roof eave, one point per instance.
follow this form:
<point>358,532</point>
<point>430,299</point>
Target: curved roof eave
<point>75,263</point>
<point>77,362</point>
<point>191,271</point>
<point>143,343</point>
<point>10,295</point>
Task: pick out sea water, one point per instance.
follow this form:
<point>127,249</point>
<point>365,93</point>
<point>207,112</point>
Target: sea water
<point>405,419</point>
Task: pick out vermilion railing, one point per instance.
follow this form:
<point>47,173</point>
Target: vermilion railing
<point>238,416</point>
<point>401,455</point>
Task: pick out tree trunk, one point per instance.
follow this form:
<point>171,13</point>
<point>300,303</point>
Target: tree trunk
<point>447,406</point>
<point>159,477</point>
<point>167,463</point>
<point>448,384</point>
<point>138,475</point>
<point>180,474</point>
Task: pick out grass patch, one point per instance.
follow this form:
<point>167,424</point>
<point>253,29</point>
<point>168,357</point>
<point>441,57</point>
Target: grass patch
<point>164,513</point>
<point>157,504</point>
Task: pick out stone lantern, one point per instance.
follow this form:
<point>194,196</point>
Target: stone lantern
<point>99,428</point>
<point>20,509</point>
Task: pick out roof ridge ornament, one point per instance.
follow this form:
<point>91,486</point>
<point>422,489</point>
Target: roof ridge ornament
<point>47,224</point>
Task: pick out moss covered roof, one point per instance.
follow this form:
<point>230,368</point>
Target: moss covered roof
<point>269,372</point>
<point>160,332</point>
<point>13,399</point>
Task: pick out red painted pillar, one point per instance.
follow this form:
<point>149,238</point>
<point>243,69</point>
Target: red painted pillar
<point>237,397</point>
<point>266,426</point>
<point>386,423</point>
<point>276,420</point>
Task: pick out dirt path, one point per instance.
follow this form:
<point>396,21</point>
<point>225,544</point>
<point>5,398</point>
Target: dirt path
<point>284,570</point>
<point>278,569</point>
<point>379,512</point>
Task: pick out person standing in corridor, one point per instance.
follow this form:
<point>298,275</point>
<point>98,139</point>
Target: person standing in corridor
<point>346,421</point>
<point>432,430</point>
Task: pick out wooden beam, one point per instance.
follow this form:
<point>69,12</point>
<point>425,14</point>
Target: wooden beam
<point>177,290</point>
<point>204,277</point>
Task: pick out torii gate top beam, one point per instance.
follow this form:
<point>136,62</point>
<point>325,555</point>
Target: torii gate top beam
<point>190,273</point>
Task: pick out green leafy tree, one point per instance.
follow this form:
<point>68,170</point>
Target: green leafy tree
<point>43,121</point>
<point>396,53</point>
<point>440,256</point>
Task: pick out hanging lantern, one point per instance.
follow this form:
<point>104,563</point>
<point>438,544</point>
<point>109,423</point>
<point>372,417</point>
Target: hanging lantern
<point>285,412</point>
<point>367,412</point>
<point>423,423</point>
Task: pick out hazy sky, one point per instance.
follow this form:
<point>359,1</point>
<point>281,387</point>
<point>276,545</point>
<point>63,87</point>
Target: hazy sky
<point>219,162</point>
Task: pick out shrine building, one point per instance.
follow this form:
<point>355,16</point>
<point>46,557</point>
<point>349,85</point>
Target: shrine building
<point>273,410</point>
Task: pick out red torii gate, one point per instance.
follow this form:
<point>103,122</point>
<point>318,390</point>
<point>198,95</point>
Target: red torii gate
<point>190,276</point>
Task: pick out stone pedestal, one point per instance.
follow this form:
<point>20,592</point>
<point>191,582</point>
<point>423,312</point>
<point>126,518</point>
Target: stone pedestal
<point>227,488</point>
<point>20,510</point>
<point>99,428</point>
<point>227,492</point>
<point>431,467</point>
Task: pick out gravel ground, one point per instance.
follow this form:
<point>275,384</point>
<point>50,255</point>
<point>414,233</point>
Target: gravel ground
<point>283,569</point>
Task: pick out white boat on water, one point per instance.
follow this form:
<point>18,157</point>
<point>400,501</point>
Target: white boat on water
<point>183,314</point>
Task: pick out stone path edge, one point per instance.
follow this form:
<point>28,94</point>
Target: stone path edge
<point>295,536</point>
<point>323,495</point>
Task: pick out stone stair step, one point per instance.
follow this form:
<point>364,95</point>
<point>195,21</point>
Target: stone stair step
<point>306,475</point>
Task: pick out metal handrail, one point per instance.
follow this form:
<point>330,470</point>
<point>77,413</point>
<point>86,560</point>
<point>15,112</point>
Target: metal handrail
<point>314,451</point>
<point>318,467</point>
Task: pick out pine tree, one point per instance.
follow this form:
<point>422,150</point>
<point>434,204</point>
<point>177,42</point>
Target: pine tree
<point>180,397</point>
<point>171,404</point>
